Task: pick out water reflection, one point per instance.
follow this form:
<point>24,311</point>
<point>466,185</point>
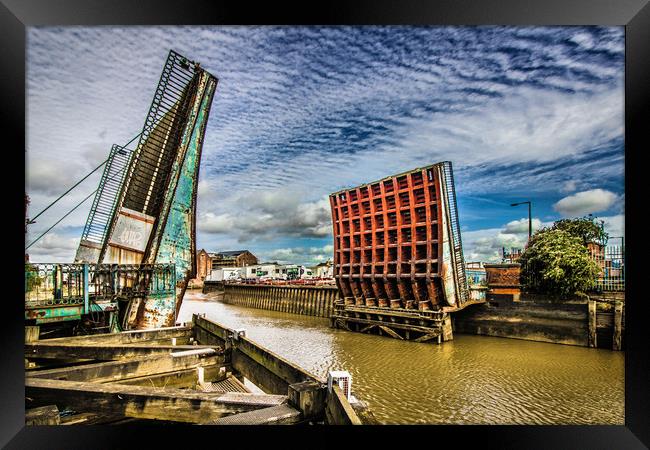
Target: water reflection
<point>470,380</point>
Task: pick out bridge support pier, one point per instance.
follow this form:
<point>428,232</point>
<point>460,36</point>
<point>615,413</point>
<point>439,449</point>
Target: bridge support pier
<point>398,323</point>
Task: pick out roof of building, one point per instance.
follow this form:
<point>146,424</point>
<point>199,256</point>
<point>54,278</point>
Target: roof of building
<point>323,264</point>
<point>231,253</point>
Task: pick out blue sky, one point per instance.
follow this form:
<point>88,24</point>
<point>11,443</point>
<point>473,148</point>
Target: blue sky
<point>523,113</point>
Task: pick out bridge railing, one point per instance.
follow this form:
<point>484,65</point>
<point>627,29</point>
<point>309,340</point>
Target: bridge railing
<point>52,284</point>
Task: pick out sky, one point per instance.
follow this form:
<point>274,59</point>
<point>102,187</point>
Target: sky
<point>523,113</point>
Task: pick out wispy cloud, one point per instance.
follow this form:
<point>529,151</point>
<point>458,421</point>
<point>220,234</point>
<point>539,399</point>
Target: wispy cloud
<point>303,111</point>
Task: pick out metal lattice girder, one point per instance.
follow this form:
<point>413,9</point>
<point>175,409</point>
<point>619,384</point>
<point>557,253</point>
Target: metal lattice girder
<point>148,175</point>
<point>161,136</point>
<point>396,240</point>
<point>105,199</point>
<point>457,245</point>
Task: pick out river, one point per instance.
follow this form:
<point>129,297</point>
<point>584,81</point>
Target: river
<point>470,380</point>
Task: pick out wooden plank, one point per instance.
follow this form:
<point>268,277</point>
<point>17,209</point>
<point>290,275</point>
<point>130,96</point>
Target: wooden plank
<point>392,324</point>
<point>82,418</point>
<point>341,322</point>
<point>369,327</point>
<point>124,337</point>
<point>228,384</point>
<point>177,405</point>
<point>390,332</point>
<point>258,374</point>
<point>43,415</point>
<point>288,371</point>
<point>275,415</point>
<point>32,333</point>
<point>101,352</point>
<point>139,367</point>
<point>426,337</point>
<point>188,378</point>
<point>391,313</point>
<point>212,327</point>
<point>338,410</point>
<point>309,397</point>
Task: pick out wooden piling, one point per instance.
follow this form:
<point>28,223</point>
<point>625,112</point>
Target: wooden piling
<point>32,333</point>
<point>618,326</point>
<point>592,323</point>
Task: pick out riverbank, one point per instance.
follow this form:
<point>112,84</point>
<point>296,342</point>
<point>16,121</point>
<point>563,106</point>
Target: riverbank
<point>598,322</point>
<point>586,323</point>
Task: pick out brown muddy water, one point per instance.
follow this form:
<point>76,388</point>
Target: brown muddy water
<point>470,380</point>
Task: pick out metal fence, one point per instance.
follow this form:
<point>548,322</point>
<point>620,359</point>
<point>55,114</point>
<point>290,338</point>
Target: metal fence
<point>511,255</point>
<point>49,284</point>
<point>611,260</point>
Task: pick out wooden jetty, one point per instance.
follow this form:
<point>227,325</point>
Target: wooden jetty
<point>192,373</point>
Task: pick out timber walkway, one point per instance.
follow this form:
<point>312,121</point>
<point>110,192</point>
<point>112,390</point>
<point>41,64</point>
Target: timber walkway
<point>192,373</point>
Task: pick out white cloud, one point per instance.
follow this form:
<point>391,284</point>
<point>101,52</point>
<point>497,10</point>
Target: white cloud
<point>614,226</point>
<point>521,226</point>
<point>487,245</point>
<point>54,247</point>
<point>299,255</point>
<point>586,202</point>
<point>276,214</point>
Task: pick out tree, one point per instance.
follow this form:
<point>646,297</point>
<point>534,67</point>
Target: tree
<point>585,228</point>
<point>556,261</point>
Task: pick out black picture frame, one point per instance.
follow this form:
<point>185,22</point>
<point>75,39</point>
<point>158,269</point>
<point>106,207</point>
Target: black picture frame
<point>15,15</point>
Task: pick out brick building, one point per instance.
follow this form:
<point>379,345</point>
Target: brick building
<point>235,258</point>
<point>206,262</point>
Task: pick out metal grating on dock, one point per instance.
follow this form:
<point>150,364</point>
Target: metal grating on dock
<point>275,415</point>
<point>230,384</point>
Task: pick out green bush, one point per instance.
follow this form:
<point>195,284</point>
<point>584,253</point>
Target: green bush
<point>556,261</point>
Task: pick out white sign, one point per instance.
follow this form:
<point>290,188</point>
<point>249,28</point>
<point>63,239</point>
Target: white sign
<point>132,230</point>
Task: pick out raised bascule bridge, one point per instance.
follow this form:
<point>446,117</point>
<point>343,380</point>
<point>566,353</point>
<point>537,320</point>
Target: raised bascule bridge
<point>137,250</point>
<point>398,257</point>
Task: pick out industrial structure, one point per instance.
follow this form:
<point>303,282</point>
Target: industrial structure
<point>142,220</point>
<point>398,257</point>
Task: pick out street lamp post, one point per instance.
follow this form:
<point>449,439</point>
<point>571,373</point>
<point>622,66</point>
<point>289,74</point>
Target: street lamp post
<point>530,223</point>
